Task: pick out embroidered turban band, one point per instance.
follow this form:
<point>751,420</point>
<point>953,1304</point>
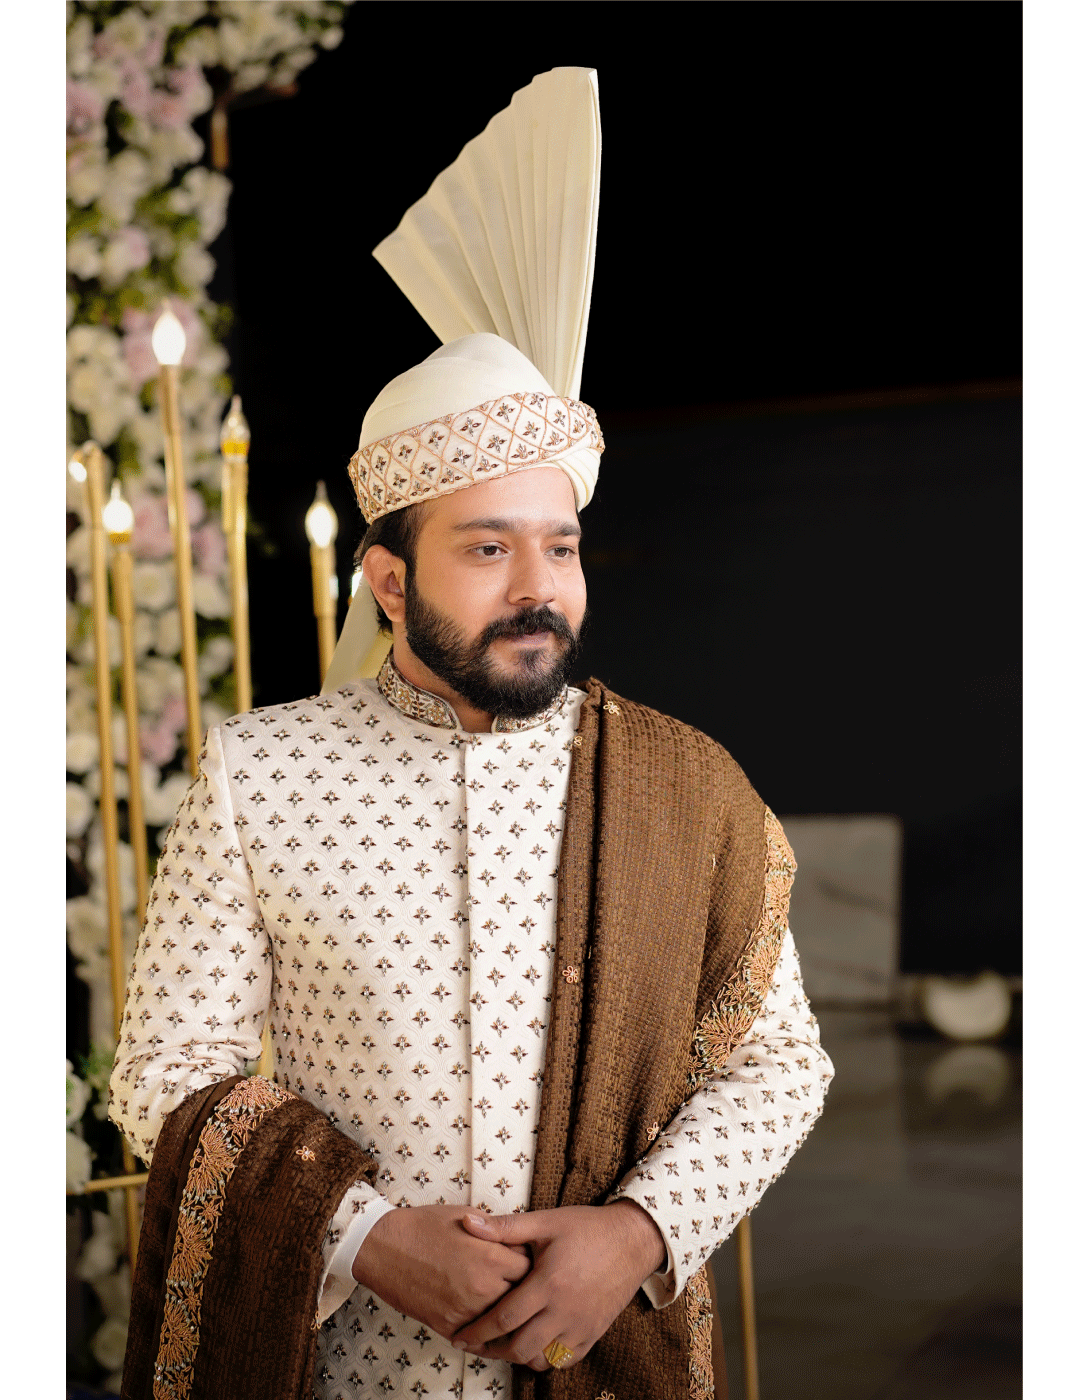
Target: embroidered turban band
<point>507,434</point>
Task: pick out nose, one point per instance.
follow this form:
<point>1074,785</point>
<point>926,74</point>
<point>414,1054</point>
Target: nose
<point>531,581</point>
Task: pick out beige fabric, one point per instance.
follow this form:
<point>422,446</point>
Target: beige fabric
<point>505,238</point>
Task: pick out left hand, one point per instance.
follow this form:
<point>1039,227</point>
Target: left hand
<point>588,1262</point>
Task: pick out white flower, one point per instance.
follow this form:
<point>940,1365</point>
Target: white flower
<point>291,65</point>
<point>109,1343</point>
<point>215,657</point>
<point>167,632</point>
<point>127,178</point>
<point>78,1095</point>
<point>86,928</point>
<point>162,803</point>
<point>211,599</point>
<point>72,304</point>
<point>213,714</point>
<point>332,37</point>
<point>86,175</point>
<point>80,38</point>
<point>194,266</point>
<point>82,752</point>
<point>79,809</point>
<point>99,1253</point>
<point>157,679</point>
<point>251,75</point>
<point>109,414</point>
<point>95,863</point>
<point>128,251</point>
<point>154,585</point>
<point>201,47</point>
<point>168,148</point>
<point>78,1163</point>
<point>125,35</point>
<point>84,256</point>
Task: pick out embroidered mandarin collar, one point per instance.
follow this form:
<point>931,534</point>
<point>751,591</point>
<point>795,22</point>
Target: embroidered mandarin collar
<point>434,710</point>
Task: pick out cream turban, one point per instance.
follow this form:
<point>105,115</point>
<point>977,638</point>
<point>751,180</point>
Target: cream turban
<point>498,259</point>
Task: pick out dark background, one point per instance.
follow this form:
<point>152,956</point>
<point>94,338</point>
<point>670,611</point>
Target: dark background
<point>804,351</point>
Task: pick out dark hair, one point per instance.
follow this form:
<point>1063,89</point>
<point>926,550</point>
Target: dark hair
<point>398,532</point>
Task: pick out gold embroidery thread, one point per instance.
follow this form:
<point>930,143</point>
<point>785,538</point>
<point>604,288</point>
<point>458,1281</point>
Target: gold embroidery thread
<point>740,999</point>
<point>223,1138</point>
<point>700,1322</point>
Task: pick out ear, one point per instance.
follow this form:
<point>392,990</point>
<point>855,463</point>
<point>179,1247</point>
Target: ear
<point>385,574</point>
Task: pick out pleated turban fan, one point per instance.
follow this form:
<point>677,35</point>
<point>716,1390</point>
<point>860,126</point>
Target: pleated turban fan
<point>498,258</point>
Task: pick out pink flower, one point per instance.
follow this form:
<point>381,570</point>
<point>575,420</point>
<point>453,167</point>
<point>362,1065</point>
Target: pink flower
<point>174,714</point>
<point>84,108</point>
<point>137,94</point>
<point>167,110</point>
<point>208,548</point>
<point>154,51</point>
<point>136,245</point>
<point>150,538</point>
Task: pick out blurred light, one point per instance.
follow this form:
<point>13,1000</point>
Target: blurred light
<point>357,580</point>
<point>976,1008</point>
<point>321,519</point>
<point>235,433</point>
<point>168,338</point>
<point>77,470</point>
<point>118,517</point>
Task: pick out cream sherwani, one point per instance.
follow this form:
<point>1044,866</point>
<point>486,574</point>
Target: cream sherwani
<point>382,886</point>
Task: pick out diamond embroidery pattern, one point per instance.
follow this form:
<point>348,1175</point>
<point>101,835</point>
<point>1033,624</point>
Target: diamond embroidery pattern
<point>494,439</point>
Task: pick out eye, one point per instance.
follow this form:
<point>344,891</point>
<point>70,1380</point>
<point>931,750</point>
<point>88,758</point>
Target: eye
<point>488,551</point>
<point>563,551</point>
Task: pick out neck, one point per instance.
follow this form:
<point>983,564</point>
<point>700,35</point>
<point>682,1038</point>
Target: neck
<point>472,720</point>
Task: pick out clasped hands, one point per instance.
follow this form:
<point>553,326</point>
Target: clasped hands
<point>506,1286</point>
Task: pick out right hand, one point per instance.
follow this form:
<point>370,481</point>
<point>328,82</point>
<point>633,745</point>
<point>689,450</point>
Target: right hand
<point>422,1261</point>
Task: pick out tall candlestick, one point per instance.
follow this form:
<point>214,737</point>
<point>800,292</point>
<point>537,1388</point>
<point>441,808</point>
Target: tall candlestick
<point>235,438</point>
<point>169,343</point>
<point>92,460</point>
<point>119,521</point>
<point>321,526</point>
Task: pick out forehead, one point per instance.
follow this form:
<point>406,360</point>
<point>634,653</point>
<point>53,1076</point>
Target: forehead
<point>527,500</point>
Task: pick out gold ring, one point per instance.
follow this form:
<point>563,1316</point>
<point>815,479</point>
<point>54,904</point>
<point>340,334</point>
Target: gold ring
<point>557,1355</point>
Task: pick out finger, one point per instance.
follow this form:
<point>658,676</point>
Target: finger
<point>514,1265</point>
<point>538,1363</point>
<point>513,1310</point>
<point>507,1229</point>
<point>529,1342</point>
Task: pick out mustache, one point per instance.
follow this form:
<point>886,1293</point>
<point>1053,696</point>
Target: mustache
<point>526,624</point>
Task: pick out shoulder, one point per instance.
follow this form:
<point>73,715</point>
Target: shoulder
<point>273,725</point>
<point>656,737</point>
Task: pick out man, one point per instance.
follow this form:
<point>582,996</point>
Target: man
<point>522,948</point>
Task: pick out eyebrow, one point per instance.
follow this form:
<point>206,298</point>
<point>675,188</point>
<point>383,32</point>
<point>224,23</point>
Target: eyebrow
<point>515,525</point>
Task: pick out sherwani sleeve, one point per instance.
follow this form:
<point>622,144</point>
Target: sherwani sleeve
<point>735,1135</point>
<point>199,990</point>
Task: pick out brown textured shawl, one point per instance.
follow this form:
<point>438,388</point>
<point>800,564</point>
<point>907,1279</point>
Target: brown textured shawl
<point>673,891</point>
<point>244,1183</point>
<point>672,904</point>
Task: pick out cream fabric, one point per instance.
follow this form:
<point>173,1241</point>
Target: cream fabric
<point>382,885</point>
<point>505,238</point>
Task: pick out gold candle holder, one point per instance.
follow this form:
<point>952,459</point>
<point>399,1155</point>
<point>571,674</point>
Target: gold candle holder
<point>235,438</point>
<point>321,525</point>
<point>119,521</point>
<point>169,343</point>
<point>746,1308</point>
<point>92,460</point>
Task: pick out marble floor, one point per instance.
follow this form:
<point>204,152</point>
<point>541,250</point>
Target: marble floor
<point>887,1258</point>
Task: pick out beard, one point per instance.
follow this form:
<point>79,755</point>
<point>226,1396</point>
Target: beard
<point>468,668</point>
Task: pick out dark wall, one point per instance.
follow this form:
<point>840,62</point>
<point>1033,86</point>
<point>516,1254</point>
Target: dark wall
<point>797,202</point>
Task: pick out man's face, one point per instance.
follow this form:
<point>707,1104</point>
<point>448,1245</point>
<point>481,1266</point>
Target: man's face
<point>498,599</point>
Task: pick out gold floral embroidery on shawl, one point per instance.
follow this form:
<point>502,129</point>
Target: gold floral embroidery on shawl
<point>740,999</point>
<point>213,1162</point>
<point>699,1318</point>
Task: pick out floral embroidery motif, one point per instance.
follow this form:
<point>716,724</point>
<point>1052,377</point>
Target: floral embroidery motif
<point>305,1154</point>
<point>611,707</point>
<point>213,1162</point>
<point>742,997</point>
<point>653,1132</point>
<point>699,1319</point>
<point>432,709</point>
<point>571,974</point>
<point>503,435</point>
<point>605,1395</point>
